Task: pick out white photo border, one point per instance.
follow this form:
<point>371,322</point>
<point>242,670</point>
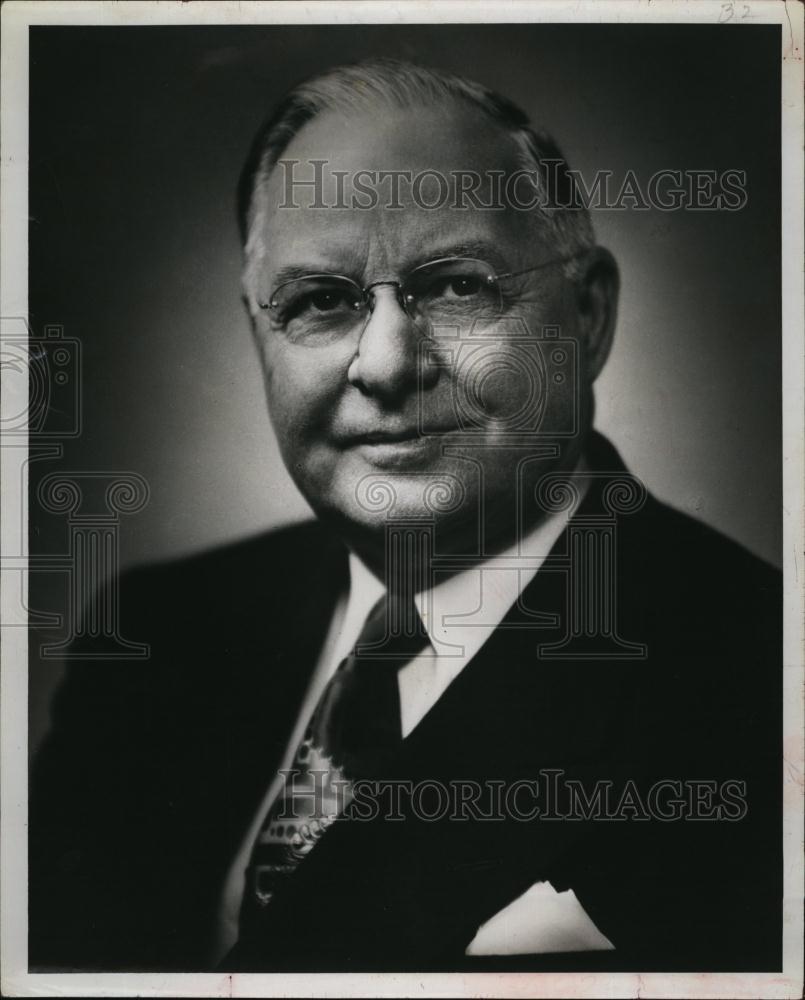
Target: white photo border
<point>17,16</point>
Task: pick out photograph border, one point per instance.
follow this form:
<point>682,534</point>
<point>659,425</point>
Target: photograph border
<point>17,17</point>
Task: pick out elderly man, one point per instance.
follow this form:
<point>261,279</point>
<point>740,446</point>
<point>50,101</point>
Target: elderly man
<point>498,708</point>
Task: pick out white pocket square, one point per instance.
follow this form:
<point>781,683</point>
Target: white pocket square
<point>539,922</point>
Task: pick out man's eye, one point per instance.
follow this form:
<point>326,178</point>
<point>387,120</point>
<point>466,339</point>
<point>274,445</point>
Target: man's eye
<point>322,300</point>
<point>459,286</point>
<point>465,286</point>
<point>326,301</point>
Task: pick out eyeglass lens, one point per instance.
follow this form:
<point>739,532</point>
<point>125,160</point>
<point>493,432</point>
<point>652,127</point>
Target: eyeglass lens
<point>453,292</point>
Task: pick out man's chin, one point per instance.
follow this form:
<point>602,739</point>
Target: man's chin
<point>380,482</point>
<point>379,499</point>
<point>363,509</point>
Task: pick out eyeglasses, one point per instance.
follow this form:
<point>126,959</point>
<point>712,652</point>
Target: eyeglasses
<point>450,292</point>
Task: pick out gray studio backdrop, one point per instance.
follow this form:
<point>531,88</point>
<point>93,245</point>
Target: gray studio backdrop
<point>137,139</point>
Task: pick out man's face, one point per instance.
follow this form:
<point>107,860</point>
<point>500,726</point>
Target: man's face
<point>389,416</point>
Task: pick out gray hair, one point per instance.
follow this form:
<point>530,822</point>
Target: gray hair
<point>404,85</point>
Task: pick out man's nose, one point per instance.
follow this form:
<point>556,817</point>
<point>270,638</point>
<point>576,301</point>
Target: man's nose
<point>391,350</point>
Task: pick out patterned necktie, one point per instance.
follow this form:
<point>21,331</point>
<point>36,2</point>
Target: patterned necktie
<point>353,734</point>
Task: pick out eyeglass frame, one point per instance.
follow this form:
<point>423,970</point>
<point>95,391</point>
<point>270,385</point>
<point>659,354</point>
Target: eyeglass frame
<point>363,300</point>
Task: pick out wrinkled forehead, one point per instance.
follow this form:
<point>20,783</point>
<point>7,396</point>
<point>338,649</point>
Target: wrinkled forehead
<point>381,189</point>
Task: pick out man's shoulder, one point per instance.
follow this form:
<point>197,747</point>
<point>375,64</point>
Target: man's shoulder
<point>707,610</point>
<point>700,598</point>
<point>272,562</point>
<point>680,543</point>
<point>272,548</point>
<point>671,549</point>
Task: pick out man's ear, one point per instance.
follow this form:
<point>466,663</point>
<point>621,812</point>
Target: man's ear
<point>597,287</point>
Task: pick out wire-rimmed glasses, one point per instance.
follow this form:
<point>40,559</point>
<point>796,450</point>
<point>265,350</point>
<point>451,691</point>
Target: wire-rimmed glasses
<point>449,292</point>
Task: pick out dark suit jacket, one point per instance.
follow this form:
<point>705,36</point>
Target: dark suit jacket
<point>153,770</point>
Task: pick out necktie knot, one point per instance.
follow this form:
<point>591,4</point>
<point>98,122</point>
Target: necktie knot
<point>393,630</point>
<point>357,721</point>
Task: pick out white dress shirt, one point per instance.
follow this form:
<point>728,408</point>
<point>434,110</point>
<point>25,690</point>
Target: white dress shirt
<point>459,613</point>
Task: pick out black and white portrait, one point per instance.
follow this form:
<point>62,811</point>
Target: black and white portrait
<point>404,474</point>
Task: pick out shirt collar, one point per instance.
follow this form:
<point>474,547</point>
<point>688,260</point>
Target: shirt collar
<point>461,611</point>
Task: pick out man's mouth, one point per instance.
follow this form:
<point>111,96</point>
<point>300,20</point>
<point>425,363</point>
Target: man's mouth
<point>389,437</point>
<point>398,447</point>
<point>396,434</point>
